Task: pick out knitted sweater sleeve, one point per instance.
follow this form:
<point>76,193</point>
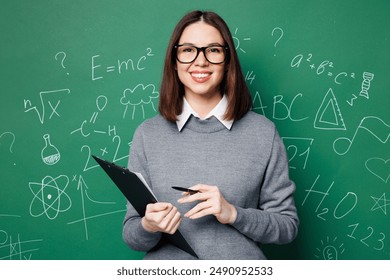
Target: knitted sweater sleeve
<point>276,220</point>
<point>134,235</point>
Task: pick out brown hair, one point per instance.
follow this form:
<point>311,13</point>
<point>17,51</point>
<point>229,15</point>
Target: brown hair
<point>233,84</point>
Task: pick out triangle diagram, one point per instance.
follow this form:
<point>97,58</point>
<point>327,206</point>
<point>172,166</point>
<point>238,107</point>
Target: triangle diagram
<point>329,115</point>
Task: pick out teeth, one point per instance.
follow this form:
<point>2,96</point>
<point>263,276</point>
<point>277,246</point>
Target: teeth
<point>200,75</point>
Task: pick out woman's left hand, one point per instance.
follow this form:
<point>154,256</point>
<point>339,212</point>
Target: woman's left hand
<point>212,203</point>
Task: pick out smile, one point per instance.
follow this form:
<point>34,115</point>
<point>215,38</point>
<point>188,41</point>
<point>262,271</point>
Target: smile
<point>200,77</point>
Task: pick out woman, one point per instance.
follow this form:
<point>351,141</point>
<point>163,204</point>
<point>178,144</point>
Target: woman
<point>206,137</point>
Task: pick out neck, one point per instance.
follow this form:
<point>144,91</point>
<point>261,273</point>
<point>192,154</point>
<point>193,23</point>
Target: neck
<point>203,104</point>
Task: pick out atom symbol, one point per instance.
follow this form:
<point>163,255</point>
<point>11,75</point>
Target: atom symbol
<point>50,197</point>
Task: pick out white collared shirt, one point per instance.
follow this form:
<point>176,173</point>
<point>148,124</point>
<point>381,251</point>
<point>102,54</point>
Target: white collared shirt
<point>218,112</point>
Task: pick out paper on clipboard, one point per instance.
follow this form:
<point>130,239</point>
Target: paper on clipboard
<point>139,175</point>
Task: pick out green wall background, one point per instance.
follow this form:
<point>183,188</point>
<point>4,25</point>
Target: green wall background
<point>78,77</point>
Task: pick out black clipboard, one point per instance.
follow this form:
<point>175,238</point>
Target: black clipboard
<point>139,195</point>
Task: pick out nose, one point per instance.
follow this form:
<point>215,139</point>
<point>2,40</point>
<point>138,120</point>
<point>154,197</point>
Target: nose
<point>201,59</point>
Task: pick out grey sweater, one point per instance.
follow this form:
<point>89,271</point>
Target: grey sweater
<point>249,165</point>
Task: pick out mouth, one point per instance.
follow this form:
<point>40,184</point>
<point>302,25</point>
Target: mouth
<point>200,77</point>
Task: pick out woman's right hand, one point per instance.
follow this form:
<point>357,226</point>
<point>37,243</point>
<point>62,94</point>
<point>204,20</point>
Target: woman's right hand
<point>161,216</point>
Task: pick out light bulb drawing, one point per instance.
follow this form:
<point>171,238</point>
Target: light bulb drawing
<point>237,41</point>
<point>330,250</point>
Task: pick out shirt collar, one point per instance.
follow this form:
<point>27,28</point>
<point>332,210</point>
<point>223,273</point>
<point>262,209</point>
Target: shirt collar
<point>217,112</point>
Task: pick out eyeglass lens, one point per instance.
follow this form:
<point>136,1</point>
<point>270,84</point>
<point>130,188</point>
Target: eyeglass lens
<point>214,54</point>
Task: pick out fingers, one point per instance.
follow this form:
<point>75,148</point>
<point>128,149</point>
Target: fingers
<point>211,202</point>
<point>163,217</point>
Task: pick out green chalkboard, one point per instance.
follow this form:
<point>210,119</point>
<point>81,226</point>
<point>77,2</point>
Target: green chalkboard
<point>78,77</point>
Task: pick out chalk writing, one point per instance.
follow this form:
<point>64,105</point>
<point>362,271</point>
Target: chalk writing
<point>120,66</point>
<point>116,140</point>
<point>63,56</point>
<point>325,67</point>
<point>343,208</point>
<point>101,103</point>
<point>50,197</point>
<point>370,238</point>
<point>16,249</point>
<point>8,134</point>
<point>322,195</point>
<point>281,111</point>
<point>257,104</point>
<point>42,111</point>
<point>298,150</point>
<point>374,125</point>
<point>278,33</point>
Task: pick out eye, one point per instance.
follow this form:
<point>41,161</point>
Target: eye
<point>214,50</point>
<point>188,49</point>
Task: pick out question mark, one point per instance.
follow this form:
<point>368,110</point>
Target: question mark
<point>62,60</point>
<point>277,29</point>
<point>12,136</point>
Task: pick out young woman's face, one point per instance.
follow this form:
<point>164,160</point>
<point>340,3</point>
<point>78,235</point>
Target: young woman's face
<point>201,77</point>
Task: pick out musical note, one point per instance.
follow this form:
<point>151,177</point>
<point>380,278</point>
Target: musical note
<point>374,125</point>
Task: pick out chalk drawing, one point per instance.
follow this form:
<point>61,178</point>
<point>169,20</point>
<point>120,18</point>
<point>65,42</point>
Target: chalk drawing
<point>50,197</point>
<point>330,249</point>
<point>101,103</point>
<point>19,249</point>
<point>329,116</point>
<point>139,96</point>
<point>42,111</point>
<point>380,203</point>
<point>83,188</point>
<point>50,154</point>
<point>237,41</point>
<point>366,84</point>
<point>5,135</point>
<point>379,167</point>
<point>374,125</point>
<point>10,215</point>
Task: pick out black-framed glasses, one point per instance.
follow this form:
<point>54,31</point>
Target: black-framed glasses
<point>215,54</point>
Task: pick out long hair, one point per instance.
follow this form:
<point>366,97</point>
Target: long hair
<point>233,85</point>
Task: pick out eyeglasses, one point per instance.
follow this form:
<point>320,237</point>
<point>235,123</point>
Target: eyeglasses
<point>214,54</point>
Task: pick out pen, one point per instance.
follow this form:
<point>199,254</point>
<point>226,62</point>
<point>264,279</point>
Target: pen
<point>184,190</point>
